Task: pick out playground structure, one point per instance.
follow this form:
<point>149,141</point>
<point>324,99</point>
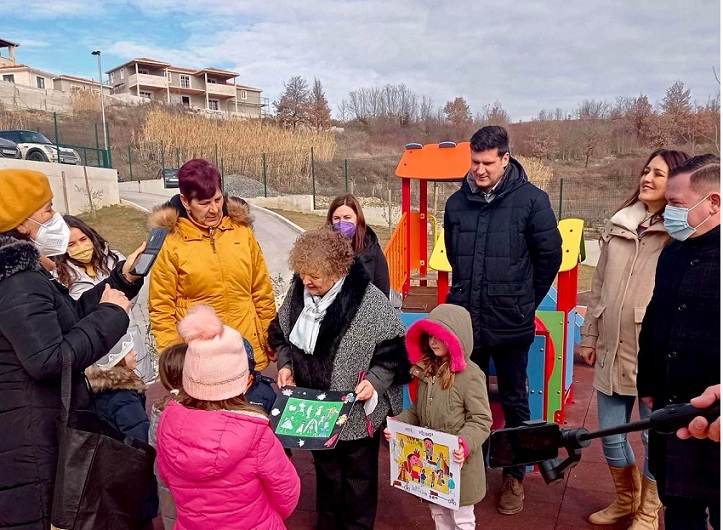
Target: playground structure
<point>550,364</point>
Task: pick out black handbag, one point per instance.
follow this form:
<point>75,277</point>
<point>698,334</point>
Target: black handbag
<point>102,474</point>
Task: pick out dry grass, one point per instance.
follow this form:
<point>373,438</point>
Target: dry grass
<point>540,174</point>
<point>85,100</point>
<point>170,137</point>
<point>124,227</point>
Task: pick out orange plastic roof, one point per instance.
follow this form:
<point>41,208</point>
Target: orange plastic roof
<point>432,162</point>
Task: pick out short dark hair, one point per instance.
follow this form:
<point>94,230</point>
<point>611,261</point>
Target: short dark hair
<point>198,179</point>
<point>491,137</point>
<point>704,172</point>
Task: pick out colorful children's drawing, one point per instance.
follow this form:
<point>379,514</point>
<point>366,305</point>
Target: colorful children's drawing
<point>310,419</point>
<point>422,464</point>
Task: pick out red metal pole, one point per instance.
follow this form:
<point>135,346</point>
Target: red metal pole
<point>442,286</point>
<point>407,209</point>
<point>423,231</point>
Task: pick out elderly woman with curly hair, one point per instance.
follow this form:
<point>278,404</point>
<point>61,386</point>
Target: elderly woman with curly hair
<point>336,331</point>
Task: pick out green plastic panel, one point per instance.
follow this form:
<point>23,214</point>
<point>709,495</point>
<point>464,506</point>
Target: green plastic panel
<point>555,323</point>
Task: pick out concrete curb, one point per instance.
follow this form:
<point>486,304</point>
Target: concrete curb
<point>134,205</point>
<point>280,217</point>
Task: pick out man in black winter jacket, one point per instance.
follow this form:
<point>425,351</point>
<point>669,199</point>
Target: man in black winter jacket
<point>679,342</point>
<point>505,249</point>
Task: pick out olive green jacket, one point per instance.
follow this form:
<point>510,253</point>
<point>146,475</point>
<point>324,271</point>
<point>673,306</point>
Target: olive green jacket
<point>463,409</point>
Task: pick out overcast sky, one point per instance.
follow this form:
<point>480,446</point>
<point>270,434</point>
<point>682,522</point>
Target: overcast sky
<point>528,54</point>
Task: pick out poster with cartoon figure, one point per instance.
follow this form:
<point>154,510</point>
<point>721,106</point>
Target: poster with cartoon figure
<point>421,463</point>
<point>303,418</point>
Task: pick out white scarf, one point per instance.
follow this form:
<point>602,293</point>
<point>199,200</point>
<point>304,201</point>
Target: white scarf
<point>306,329</point>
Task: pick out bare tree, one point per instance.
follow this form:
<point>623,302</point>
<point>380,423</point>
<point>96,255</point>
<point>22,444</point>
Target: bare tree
<point>493,114</point>
<point>457,112</point>
<point>319,111</point>
<point>292,108</point>
<point>592,115</point>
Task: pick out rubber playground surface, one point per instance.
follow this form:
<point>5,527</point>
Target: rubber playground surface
<point>563,506</point>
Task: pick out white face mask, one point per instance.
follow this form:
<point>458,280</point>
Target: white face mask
<point>53,236</point>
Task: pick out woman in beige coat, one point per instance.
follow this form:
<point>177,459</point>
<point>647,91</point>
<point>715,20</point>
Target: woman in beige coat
<point>623,285</point>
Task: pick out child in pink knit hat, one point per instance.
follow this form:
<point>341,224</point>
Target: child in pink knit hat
<point>217,454</point>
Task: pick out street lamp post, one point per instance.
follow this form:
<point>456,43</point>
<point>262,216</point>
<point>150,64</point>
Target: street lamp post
<point>102,103</point>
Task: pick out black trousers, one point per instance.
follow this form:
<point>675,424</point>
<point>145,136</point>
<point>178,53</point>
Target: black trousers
<point>690,514</point>
<point>347,480</point>
<point>511,368</point>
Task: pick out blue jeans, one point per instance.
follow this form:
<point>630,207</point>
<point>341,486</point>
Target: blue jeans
<point>613,411</point>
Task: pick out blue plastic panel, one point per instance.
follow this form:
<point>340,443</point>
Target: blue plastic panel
<point>536,378</point>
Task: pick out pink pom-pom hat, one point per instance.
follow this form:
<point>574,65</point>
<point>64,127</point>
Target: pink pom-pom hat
<point>216,365</point>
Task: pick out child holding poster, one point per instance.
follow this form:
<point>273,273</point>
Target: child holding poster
<point>452,398</point>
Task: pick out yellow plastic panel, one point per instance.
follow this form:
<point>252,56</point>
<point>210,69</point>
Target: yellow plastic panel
<point>571,232</point>
<point>438,260</point>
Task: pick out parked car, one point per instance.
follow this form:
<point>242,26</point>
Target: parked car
<point>169,176</point>
<point>9,149</point>
<point>34,146</point>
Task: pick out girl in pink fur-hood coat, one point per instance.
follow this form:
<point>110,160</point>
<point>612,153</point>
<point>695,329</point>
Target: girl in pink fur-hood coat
<point>462,408</point>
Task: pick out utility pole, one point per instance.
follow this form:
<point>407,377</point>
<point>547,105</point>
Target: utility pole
<point>102,102</point>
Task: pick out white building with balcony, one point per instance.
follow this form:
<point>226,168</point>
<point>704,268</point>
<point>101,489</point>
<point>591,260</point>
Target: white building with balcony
<point>209,89</point>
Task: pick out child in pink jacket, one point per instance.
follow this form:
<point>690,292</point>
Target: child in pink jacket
<point>218,455</point>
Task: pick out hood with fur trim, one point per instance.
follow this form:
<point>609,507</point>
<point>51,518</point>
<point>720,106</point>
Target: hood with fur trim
<point>168,214</point>
<point>117,378</point>
<point>17,256</point>
<point>451,324</point>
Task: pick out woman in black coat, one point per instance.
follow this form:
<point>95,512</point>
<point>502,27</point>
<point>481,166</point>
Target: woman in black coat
<point>345,215</point>
<point>37,319</point>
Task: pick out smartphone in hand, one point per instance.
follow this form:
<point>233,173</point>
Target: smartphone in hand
<point>153,246</point>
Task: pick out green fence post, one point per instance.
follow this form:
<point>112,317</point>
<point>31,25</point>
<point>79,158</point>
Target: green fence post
<point>346,175</point>
<point>85,156</point>
<point>57,141</point>
<point>263,169</point>
<point>163,157</point>
<point>559,208</point>
<point>313,181</point>
<point>223,177</point>
<point>97,146</point>
<point>108,154</point>
<point>178,157</point>
<point>130,163</point>
<point>216,154</point>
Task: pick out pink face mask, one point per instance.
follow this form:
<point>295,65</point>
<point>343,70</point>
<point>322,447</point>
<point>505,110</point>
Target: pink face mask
<point>345,228</point>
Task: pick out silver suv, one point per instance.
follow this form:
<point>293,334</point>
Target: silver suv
<point>34,146</point>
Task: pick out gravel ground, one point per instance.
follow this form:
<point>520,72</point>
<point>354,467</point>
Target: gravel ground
<point>241,186</point>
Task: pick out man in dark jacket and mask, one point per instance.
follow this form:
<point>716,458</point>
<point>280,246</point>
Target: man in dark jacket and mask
<point>679,341</point>
<point>505,250</point>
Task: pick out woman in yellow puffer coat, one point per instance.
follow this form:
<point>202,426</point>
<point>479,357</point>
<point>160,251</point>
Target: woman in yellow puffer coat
<point>210,257</point>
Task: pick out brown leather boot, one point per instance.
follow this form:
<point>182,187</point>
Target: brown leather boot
<point>512,496</point>
<point>627,496</point>
<point>646,518</point>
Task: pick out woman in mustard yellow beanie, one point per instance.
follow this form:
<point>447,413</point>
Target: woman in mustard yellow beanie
<point>37,317</point>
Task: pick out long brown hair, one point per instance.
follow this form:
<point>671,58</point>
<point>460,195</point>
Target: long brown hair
<point>101,252</point>
<point>672,158</point>
<point>433,365</point>
<point>237,404</point>
<point>170,371</point>
<point>358,242</point>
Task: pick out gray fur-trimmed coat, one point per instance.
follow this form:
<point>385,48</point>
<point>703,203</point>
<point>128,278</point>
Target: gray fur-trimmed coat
<point>359,333</point>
